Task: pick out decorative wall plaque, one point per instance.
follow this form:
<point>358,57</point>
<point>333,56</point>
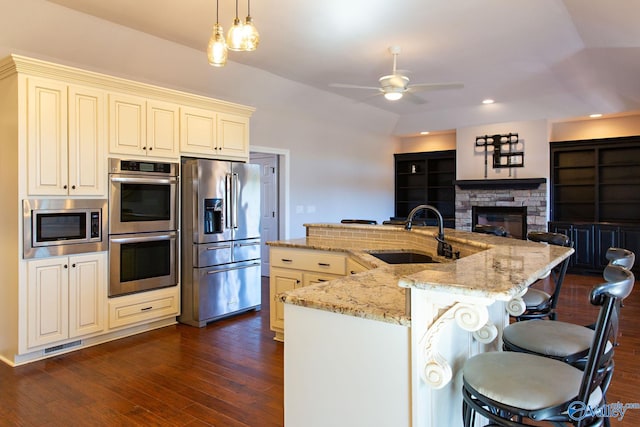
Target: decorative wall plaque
<point>504,151</point>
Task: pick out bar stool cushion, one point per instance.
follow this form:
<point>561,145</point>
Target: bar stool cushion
<point>525,381</point>
<point>534,297</point>
<point>550,338</point>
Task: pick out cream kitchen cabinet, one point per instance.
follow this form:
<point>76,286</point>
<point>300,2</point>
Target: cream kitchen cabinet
<point>143,127</point>
<point>292,268</point>
<point>144,307</point>
<point>65,139</point>
<point>214,134</point>
<point>65,298</point>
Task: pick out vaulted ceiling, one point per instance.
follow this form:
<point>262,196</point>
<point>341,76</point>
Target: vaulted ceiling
<point>551,59</point>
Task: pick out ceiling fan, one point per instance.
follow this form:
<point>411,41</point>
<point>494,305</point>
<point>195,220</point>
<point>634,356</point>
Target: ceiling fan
<point>396,85</point>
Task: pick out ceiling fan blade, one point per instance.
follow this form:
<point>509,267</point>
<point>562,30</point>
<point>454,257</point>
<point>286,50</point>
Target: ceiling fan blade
<point>421,87</point>
<point>348,86</point>
<point>413,98</point>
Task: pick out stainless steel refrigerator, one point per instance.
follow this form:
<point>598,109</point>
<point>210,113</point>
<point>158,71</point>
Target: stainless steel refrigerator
<point>220,239</point>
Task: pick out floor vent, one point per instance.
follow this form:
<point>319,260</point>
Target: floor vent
<point>62,347</point>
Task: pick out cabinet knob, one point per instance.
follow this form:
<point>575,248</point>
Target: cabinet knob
<point>150,148</point>
<point>64,186</point>
<point>73,187</point>
<point>144,148</point>
<point>73,265</point>
<point>66,266</point>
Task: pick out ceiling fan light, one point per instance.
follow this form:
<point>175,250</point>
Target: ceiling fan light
<point>217,48</point>
<point>251,35</point>
<point>393,96</point>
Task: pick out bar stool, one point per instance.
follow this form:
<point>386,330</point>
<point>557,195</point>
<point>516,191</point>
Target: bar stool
<point>496,230</point>
<point>508,387</point>
<point>540,304</point>
<point>563,341</point>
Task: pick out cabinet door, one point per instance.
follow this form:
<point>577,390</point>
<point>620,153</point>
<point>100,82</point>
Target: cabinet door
<point>583,241</point>
<point>163,123</point>
<point>87,282</point>
<point>127,130</point>
<point>233,136</point>
<point>47,137</point>
<point>87,136</point>
<point>47,301</point>
<point>197,131</point>
<point>281,280</point>
<point>606,237</point>
<point>630,239</point>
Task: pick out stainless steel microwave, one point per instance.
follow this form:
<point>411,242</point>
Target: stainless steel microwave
<point>53,227</point>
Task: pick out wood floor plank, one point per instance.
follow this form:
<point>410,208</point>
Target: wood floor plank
<point>229,373</point>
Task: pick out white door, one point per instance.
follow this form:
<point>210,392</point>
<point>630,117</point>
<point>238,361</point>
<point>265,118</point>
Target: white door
<point>268,203</point>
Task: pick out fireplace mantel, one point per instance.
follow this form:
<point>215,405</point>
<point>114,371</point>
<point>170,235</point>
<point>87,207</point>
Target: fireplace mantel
<point>489,184</point>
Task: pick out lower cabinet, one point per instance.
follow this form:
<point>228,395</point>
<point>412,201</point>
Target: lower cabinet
<point>591,241</point>
<point>65,298</point>
<point>292,268</point>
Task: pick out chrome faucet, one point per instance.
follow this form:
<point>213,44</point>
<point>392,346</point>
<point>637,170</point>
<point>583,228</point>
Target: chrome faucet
<point>444,249</point>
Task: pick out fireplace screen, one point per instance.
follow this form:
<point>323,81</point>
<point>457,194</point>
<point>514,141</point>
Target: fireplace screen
<point>513,219</point>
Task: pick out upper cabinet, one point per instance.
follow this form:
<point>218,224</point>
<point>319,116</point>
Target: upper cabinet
<point>142,127</point>
<point>65,139</point>
<point>209,133</point>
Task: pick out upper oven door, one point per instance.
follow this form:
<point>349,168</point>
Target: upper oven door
<point>139,204</point>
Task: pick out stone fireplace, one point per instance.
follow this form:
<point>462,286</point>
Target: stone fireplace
<point>492,193</point>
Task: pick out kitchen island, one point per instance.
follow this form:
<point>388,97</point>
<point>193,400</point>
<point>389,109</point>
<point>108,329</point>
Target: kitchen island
<point>385,346</point>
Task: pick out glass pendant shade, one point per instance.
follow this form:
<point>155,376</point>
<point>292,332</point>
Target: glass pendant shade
<point>393,96</point>
<point>217,49</point>
<point>235,37</point>
<point>251,35</point>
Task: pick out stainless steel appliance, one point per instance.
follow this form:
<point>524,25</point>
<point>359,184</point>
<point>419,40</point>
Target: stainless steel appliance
<point>53,227</point>
<point>142,196</point>
<point>220,239</point>
<point>143,235</point>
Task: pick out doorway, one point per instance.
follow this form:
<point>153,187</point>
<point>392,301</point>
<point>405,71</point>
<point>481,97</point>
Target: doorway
<point>269,203</point>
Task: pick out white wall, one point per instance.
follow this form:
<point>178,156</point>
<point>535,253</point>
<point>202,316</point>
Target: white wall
<point>534,137</point>
<point>340,152</point>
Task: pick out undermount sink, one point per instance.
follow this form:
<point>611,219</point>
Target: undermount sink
<point>403,257</point>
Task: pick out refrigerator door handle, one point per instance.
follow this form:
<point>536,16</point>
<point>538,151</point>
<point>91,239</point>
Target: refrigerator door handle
<point>234,203</point>
<point>233,268</point>
<point>228,201</point>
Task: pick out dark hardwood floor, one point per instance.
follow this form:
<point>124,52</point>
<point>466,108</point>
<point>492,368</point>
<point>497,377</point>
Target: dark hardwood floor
<point>229,373</point>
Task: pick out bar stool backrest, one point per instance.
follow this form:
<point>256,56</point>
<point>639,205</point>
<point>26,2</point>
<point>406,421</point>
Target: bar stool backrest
<point>621,257</point>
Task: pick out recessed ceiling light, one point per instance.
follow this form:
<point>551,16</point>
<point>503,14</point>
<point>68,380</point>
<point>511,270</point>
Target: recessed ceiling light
<point>488,101</point>
<point>595,116</point>
<point>424,133</point>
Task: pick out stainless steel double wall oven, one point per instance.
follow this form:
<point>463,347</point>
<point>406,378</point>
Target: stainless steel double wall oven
<point>143,226</point>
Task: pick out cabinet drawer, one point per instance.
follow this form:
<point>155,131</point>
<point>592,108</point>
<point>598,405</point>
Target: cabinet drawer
<point>144,307</point>
<point>309,260</point>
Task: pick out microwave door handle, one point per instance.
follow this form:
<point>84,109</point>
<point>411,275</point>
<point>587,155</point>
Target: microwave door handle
<point>234,207</point>
<point>144,239</point>
<point>132,180</point>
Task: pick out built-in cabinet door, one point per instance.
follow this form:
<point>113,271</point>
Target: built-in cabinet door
<point>47,137</point>
<point>584,245</point>
<point>127,130</point>
<point>163,124</point>
<point>198,131</point>
<point>65,298</point>
<point>47,301</point>
<point>87,294</point>
<point>281,280</point>
<point>606,237</point>
<point>233,135</point>
<point>87,141</point>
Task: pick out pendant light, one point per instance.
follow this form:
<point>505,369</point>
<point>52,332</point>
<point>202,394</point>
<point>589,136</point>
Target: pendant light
<point>217,49</point>
<point>251,36</point>
<point>235,37</point>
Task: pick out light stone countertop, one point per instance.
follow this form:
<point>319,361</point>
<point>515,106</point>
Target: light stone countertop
<point>495,267</point>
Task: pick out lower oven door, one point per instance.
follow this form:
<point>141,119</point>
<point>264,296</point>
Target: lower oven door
<point>141,262</point>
